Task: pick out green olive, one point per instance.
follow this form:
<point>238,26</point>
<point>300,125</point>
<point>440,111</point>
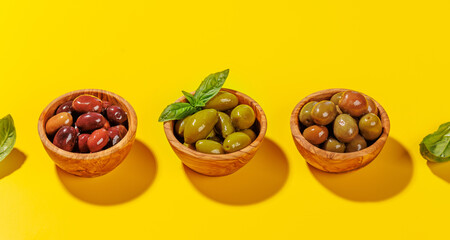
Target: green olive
<point>316,134</point>
<point>250,133</point>
<point>336,98</point>
<point>242,116</point>
<point>236,141</point>
<point>370,126</point>
<point>358,143</point>
<point>209,146</point>
<point>223,101</point>
<point>345,128</point>
<point>305,114</point>
<point>334,145</point>
<point>179,126</point>
<point>199,125</point>
<point>211,134</point>
<point>324,112</point>
<point>224,125</point>
<point>189,145</point>
<point>216,139</point>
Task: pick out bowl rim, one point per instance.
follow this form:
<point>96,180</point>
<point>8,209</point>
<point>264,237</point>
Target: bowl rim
<point>169,125</point>
<point>298,136</point>
<point>132,127</point>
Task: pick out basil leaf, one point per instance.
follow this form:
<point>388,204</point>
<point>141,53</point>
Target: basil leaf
<point>436,146</point>
<point>189,97</point>
<point>7,136</point>
<point>210,87</point>
<point>177,111</point>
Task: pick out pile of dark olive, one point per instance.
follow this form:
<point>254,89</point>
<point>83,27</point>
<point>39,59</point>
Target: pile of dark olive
<point>87,124</point>
<point>223,126</point>
<point>348,122</point>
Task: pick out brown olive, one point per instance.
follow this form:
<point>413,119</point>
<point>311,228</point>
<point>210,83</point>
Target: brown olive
<point>57,121</point>
<point>324,112</point>
<point>316,134</point>
<point>370,126</point>
<point>305,114</point>
<point>98,140</point>
<point>87,103</point>
<point>116,115</point>
<point>82,142</point>
<point>65,107</point>
<point>371,107</point>
<point>345,128</point>
<point>334,145</point>
<point>358,143</point>
<point>90,121</point>
<point>117,133</point>
<point>353,103</point>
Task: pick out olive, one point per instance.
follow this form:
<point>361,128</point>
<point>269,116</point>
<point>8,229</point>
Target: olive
<point>334,145</point>
<point>98,140</point>
<point>345,128</point>
<point>65,107</point>
<point>105,105</point>
<point>57,121</point>
<point>370,126</point>
<point>87,103</point>
<point>324,112</point>
<point>179,126</point>
<point>211,134</point>
<point>66,138</point>
<point>250,133</point>
<point>358,143</point>
<point>305,114</point>
<point>189,145</point>
<point>236,141</point>
<point>116,114</point>
<point>222,101</point>
<point>336,98</point>
<point>117,133</point>
<point>224,125</point>
<point>209,146</point>
<point>216,139</point>
<point>90,121</point>
<point>199,125</point>
<point>371,107</point>
<point>242,116</point>
<point>316,134</point>
<point>82,142</point>
<point>353,103</point>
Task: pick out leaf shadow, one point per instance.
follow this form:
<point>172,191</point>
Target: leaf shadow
<point>12,162</point>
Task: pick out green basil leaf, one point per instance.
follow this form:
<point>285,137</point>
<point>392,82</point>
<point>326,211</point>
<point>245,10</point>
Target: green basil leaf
<point>7,136</point>
<point>189,97</point>
<point>210,87</point>
<point>177,111</point>
<point>436,146</point>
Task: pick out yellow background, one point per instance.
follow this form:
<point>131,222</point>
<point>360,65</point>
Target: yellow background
<point>278,52</point>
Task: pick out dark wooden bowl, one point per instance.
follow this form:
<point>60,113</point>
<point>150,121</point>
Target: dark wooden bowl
<point>331,161</point>
<point>219,164</point>
<point>89,164</point>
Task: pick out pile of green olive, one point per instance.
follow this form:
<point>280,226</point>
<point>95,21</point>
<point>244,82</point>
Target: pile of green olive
<point>348,122</point>
<point>223,126</point>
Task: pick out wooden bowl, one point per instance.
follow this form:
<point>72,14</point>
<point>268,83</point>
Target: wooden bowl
<point>89,164</point>
<point>219,164</point>
<point>331,161</point>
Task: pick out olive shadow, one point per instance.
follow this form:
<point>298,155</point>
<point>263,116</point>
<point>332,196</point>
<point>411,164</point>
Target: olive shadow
<point>258,180</point>
<point>129,180</point>
<point>12,162</point>
<point>385,177</point>
<point>441,170</point>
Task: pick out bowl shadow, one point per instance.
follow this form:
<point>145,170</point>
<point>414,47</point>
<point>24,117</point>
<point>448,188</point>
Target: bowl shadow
<point>12,162</point>
<point>385,177</point>
<point>441,170</point>
<point>258,180</point>
<point>129,180</point>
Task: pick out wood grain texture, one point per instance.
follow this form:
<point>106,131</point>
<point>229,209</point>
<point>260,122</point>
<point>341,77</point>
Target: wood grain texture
<point>91,164</point>
<point>330,161</point>
<point>219,164</point>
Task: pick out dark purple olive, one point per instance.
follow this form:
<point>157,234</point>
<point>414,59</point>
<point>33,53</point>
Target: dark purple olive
<point>90,121</point>
<point>65,107</point>
<point>98,140</point>
<point>116,115</point>
<point>82,142</point>
<point>87,103</point>
<point>116,133</point>
<point>66,138</point>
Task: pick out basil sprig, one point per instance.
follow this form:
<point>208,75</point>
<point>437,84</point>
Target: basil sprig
<point>7,136</point>
<point>436,146</point>
<point>207,90</point>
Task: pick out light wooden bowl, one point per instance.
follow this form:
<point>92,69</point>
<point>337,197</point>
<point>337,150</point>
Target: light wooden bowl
<point>219,164</point>
<point>89,164</point>
<point>331,161</point>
